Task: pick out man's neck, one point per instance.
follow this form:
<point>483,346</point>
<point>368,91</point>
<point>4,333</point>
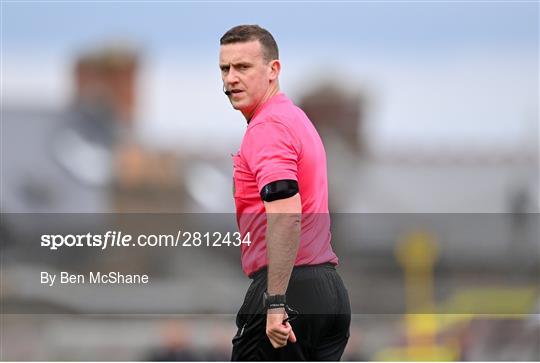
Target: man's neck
<point>271,92</point>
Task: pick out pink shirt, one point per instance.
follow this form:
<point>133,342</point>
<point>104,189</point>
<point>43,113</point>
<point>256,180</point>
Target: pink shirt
<point>282,143</point>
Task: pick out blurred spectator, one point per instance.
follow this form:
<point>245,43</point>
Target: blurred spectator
<point>177,345</point>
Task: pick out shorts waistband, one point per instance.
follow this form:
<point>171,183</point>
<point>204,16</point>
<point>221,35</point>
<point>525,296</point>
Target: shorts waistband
<point>262,271</point>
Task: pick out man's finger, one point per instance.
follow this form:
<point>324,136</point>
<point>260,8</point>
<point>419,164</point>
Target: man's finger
<point>278,335</point>
<point>282,330</point>
<point>292,336</point>
<point>278,343</point>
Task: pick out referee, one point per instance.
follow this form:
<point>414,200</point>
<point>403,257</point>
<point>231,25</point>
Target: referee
<point>296,307</point>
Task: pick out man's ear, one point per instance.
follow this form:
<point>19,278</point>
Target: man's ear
<point>275,68</point>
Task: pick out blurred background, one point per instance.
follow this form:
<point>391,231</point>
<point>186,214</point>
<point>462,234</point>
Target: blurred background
<point>429,116</point>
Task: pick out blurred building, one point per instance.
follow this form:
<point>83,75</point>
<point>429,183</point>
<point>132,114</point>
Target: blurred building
<point>87,159</point>
<point>338,115</point>
<point>451,179</point>
<point>107,78</point>
<point>62,160</point>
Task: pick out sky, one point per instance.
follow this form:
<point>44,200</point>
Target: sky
<point>436,72</point>
<point>179,26</point>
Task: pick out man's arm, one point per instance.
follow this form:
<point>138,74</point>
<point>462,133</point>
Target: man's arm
<point>282,241</point>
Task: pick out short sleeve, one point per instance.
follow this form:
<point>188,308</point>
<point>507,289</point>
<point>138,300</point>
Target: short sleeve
<point>270,152</point>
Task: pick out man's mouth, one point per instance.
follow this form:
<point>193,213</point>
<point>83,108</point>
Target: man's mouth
<point>236,91</point>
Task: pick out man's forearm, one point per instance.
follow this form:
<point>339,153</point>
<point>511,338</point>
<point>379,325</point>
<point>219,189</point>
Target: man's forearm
<point>283,239</point>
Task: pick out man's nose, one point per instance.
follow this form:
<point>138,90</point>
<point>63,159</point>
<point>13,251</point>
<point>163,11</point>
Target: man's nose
<point>231,77</point>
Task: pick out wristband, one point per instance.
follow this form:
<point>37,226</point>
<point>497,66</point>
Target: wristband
<point>274,301</point>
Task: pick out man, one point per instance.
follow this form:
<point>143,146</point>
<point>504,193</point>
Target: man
<point>297,307</point>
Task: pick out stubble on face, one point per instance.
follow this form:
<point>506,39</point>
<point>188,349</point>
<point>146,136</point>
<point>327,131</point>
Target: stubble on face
<point>244,73</point>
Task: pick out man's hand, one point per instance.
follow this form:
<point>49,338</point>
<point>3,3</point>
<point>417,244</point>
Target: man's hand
<point>278,332</point>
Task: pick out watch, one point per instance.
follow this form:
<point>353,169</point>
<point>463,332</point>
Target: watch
<point>274,301</point>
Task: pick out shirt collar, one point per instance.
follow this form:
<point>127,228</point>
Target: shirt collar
<point>278,97</point>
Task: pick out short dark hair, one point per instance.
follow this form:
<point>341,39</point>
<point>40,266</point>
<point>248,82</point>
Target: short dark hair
<point>247,33</point>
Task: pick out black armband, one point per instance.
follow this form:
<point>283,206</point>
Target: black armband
<point>280,189</point>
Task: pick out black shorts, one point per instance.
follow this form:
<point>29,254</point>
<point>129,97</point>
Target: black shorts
<point>321,328</point>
